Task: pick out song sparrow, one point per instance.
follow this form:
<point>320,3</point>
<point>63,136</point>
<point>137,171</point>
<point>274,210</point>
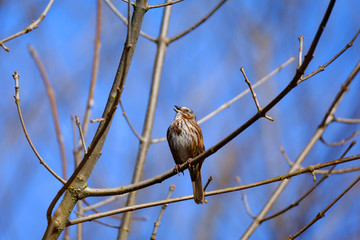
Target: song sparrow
<point>186,141</point>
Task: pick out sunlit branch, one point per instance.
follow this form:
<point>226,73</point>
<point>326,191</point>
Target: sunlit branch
<point>29,28</point>
<point>16,77</point>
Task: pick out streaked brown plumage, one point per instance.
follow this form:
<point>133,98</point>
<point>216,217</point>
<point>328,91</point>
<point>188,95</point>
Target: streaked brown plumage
<point>186,141</point>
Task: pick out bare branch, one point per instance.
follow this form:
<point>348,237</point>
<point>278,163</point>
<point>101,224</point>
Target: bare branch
<point>101,192</point>
<point>51,95</point>
<point>117,13</point>
<point>16,77</point>
<point>198,23</point>
<point>164,4</point>
<point>102,203</point>
<point>342,142</point>
<point>346,120</point>
<point>254,95</point>
<point>301,40</point>
<point>128,121</point>
<point>77,121</point>
<point>244,198</point>
<point>97,120</point>
<point>207,183</point>
<point>322,68</point>
<point>157,222</point>
<point>286,156</point>
<point>29,28</point>
<point>322,213</point>
<point>95,68</point>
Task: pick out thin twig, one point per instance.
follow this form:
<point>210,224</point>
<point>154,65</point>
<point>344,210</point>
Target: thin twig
<point>95,68</point>
<point>198,23</point>
<point>322,213</point>
<point>117,13</point>
<point>16,77</point>
<point>285,156</point>
<point>157,222</point>
<point>29,28</point>
<point>114,216</point>
<point>244,198</point>
<point>301,40</point>
<point>128,121</point>
<point>77,121</point>
<point>322,68</point>
<point>104,202</point>
<point>97,120</point>
<point>339,171</point>
<point>80,213</point>
<point>347,120</point>
<point>52,100</point>
<point>163,4</point>
<point>341,142</point>
<point>91,192</point>
<point>129,2</point>
<point>254,94</point>
<point>208,182</point>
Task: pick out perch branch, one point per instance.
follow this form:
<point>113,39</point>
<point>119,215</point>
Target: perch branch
<point>94,192</point>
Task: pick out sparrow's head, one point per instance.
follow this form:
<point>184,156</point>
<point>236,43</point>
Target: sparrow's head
<point>184,112</point>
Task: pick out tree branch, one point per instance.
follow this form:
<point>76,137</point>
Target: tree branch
<point>309,169</point>
<point>82,172</point>
<point>29,28</point>
<point>51,95</point>
<point>16,77</point>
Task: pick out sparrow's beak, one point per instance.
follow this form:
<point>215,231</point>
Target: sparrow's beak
<point>176,109</point>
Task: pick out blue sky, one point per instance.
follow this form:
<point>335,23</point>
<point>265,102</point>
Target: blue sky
<point>201,71</point>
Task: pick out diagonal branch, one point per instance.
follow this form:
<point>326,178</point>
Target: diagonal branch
<point>322,68</point>
<point>157,222</point>
<point>29,28</point>
<point>164,4</point>
<point>254,94</point>
<point>180,35</point>
<point>322,213</point>
<point>117,13</point>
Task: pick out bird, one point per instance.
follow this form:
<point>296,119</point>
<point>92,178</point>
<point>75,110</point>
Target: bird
<point>185,140</point>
